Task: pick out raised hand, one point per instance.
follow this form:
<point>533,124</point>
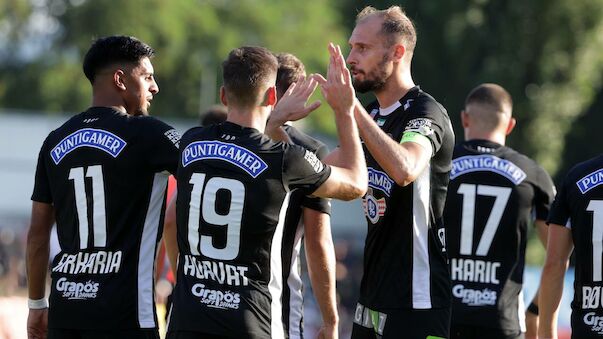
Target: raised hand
<point>292,105</point>
<point>337,87</point>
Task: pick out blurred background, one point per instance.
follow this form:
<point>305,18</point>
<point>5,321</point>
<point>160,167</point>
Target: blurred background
<point>546,53</point>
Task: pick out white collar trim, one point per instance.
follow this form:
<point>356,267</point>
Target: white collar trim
<point>388,110</point>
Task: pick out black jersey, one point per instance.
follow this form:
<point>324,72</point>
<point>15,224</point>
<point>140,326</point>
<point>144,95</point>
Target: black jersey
<point>493,195</point>
<point>404,257</point>
<point>234,185</point>
<point>579,205</point>
<point>292,238</point>
<point>105,173</point>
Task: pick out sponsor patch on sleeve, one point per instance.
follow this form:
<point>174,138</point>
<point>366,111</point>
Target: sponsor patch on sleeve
<point>316,164</point>
<point>173,136</point>
<point>419,125</point>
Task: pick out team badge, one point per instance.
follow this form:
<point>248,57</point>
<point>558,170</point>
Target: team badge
<point>373,208</point>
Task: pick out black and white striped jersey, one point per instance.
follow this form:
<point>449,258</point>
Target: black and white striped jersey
<point>292,239</point>
<point>234,185</point>
<point>579,206</point>
<point>404,256</point>
<point>494,195</point>
<point>105,172</point>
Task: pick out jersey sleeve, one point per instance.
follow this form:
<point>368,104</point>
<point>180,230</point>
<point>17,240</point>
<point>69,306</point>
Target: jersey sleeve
<point>425,126</point>
<point>560,210</point>
<point>41,191</point>
<point>322,205</point>
<point>302,169</point>
<point>544,190</point>
<point>163,146</point>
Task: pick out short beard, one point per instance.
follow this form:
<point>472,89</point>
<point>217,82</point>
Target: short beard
<point>374,80</point>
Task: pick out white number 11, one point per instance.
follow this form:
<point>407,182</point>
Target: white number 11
<point>99,224</point>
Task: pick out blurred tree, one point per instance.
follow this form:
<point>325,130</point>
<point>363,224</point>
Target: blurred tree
<point>546,53</point>
<point>191,38</point>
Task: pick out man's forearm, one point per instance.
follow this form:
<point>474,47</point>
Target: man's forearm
<point>170,235</point>
<point>38,249</point>
<point>549,297</point>
<point>320,255</point>
<point>396,160</point>
<point>37,255</point>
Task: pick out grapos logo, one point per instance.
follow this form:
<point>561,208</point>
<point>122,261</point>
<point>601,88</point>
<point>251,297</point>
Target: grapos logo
<point>73,290</point>
<point>217,299</point>
<point>472,297</point>
<point>594,321</point>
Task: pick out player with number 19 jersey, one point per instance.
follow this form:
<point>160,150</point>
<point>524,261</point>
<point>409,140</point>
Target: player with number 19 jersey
<point>579,206</point>
<point>106,174</point>
<point>233,189</point>
<point>493,196</point>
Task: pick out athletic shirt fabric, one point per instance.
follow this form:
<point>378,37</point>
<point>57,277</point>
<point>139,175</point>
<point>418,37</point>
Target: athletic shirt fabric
<point>292,239</point>
<point>494,195</point>
<point>579,206</point>
<point>106,174</point>
<point>233,191</point>
<point>404,257</point>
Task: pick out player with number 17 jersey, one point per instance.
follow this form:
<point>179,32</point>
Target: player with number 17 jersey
<point>493,196</point>
<point>233,190</point>
<point>579,207</point>
<point>106,174</point>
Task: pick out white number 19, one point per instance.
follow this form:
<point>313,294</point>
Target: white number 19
<point>231,220</point>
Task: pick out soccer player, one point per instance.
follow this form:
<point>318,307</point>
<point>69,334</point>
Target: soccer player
<point>233,190</point>
<point>575,222</point>
<point>102,176</point>
<point>405,288</point>
<point>494,195</point>
<point>307,218</point>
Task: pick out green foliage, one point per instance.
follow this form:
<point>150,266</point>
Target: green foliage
<point>191,38</point>
<point>546,53</point>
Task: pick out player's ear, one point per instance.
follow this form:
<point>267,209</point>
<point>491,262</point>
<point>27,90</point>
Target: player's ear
<point>465,119</point>
<point>399,51</point>
<point>223,96</point>
<point>510,126</point>
<point>119,79</point>
<point>270,97</point>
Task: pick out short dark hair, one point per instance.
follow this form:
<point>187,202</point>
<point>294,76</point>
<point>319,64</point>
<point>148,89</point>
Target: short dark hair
<point>490,103</point>
<point>490,94</point>
<point>246,71</point>
<point>110,50</point>
<point>396,25</point>
<point>290,69</point>
<point>214,115</point>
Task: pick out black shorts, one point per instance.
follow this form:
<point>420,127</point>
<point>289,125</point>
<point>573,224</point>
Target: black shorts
<point>55,333</point>
<point>587,324</point>
<point>460,331</point>
<point>192,335</point>
<point>401,324</point>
